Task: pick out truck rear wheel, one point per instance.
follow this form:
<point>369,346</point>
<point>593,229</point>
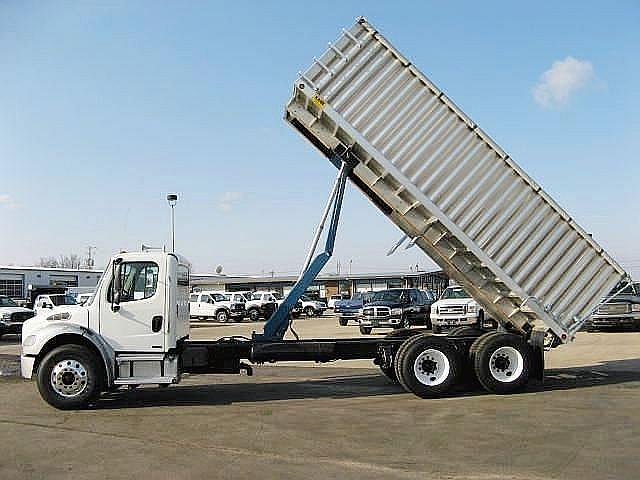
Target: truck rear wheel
<point>427,366</point>
<point>365,330</point>
<point>69,377</point>
<point>343,322</point>
<point>502,362</point>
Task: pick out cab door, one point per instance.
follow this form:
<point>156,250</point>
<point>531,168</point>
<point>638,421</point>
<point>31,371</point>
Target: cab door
<point>138,322</point>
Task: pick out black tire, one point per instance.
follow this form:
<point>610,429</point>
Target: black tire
<point>502,362</point>
<point>222,316</point>
<point>365,330</point>
<point>434,358</point>
<point>436,329</point>
<point>466,331</point>
<point>254,314</point>
<point>309,311</point>
<point>76,364</point>
<point>390,373</point>
<point>343,322</point>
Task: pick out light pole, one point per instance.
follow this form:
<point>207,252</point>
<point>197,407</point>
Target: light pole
<point>172,198</point>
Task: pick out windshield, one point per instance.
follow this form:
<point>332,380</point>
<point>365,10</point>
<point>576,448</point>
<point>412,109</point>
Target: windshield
<point>63,300</point>
<point>306,298</point>
<point>7,302</point>
<point>455,292</point>
<point>388,296</point>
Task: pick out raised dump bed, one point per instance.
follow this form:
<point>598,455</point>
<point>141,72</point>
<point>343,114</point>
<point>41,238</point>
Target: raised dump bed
<point>450,188</point>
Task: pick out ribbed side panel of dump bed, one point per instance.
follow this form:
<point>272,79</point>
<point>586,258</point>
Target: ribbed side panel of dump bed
<point>446,184</point>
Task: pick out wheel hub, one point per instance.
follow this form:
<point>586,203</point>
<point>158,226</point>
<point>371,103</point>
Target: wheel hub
<point>506,364</point>
<point>69,378</point>
<point>431,367</point>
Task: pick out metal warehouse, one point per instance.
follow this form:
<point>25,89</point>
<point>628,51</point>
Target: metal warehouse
<point>25,282</point>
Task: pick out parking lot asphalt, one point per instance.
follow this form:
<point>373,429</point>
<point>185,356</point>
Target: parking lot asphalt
<point>343,420</point>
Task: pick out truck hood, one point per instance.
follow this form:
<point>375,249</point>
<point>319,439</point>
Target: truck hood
<point>455,301</point>
<point>78,315</point>
<point>349,304</point>
<point>385,303</point>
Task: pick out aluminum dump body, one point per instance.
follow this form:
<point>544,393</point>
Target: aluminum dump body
<point>449,187</point>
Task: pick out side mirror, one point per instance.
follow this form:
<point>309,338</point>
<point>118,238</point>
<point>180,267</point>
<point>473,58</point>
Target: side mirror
<point>117,285</point>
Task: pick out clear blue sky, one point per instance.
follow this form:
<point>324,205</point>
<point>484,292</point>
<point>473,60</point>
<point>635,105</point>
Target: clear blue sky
<point>107,106</point>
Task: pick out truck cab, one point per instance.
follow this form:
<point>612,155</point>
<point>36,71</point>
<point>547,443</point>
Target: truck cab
<point>395,308</point>
<point>12,316</point>
<point>129,333</point>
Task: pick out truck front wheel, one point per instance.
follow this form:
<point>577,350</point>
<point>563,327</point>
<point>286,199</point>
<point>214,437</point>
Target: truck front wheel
<point>365,330</point>
<point>343,322</point>
<point>502,362</point>
<point>427,366</point>
<point>222,316</point>
<point>69,377</point>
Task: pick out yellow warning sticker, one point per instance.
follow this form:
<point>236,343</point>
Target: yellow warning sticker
<point>318,101</point>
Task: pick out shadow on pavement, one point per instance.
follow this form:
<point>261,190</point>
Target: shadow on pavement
<point>356,386</point>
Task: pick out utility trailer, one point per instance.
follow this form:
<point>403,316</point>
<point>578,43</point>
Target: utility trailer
<point>436,175</point>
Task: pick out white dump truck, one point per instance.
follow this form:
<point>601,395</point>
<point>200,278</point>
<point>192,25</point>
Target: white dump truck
<point>433,173</point>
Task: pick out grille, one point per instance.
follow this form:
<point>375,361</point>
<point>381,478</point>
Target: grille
<point>21,316</point>
<point>377,312</point>
<point>451,310</point>
<point>613,308</point>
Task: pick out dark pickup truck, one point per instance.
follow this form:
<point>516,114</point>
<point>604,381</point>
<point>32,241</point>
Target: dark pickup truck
<point>622,311</point>
<point>397,308</point>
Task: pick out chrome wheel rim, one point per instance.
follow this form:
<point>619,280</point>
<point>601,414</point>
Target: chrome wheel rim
<point>506,364</point>
<point>69,378</point>
<point>432,367</point>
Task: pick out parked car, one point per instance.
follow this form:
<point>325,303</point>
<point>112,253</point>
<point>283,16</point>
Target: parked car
<point>216,305</point>
<point>256,307</point>
<point>12,316</point>
<point>331,303</point>
<point>623,311</point>
<point>456,308</point>
<point>311,307</point>
<point>277,297</point>
<point>350,309</point>
<point>395,308</point>
<point>52,301</point>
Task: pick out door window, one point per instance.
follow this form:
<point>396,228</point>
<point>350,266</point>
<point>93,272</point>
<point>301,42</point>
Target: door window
<point>219,297</point>
<point>206,299</point>
<point>139,281</point>
<point>193,298</point>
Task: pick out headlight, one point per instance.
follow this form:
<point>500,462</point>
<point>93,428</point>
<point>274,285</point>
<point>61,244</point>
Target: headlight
<point>434,309</point>
<point>396,311</point>
<point>472,308</point>
<point>59,316</point>
<point>635,307</point>
<point>29,341</point>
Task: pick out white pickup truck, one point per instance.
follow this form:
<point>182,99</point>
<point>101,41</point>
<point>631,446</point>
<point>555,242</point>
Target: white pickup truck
<point>455,308</point>
<point>219,305</point>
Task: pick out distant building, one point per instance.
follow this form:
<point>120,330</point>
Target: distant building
<point>326,284</point>
<point>26,282</point>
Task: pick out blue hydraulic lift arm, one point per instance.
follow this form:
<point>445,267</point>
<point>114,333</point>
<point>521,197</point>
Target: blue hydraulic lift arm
<point>277,325</point>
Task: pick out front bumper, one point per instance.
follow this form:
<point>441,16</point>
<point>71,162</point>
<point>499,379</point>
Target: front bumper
<point>350,315</point>
<point>622,320</point>
<point>26,366</point>
<point>453,321</point>
<point>382,322</point>
<point>238,313</point>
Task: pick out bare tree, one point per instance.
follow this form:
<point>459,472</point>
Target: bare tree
<point>72,260</point>
<point>49,262</point>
